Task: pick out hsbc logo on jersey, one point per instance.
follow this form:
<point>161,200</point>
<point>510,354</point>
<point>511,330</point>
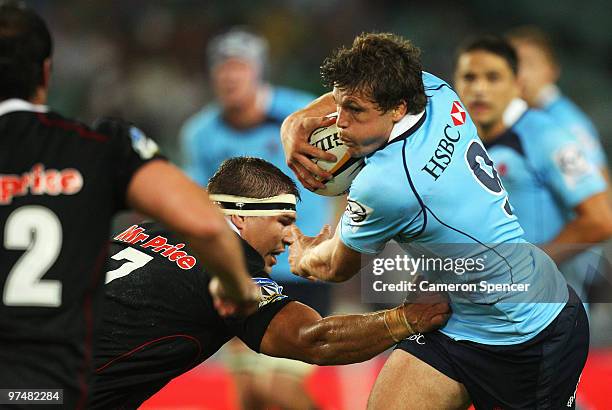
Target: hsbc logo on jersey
<point>40,181</point>
<point>458,113</point>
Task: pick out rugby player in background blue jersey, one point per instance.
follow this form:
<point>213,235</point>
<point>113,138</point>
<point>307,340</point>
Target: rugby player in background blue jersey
<point>245,120</point>
<point>538,72</point>
<point>429,181</point>
<point>557,193</point>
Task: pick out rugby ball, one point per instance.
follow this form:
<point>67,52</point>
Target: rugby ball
<point>344,169</point>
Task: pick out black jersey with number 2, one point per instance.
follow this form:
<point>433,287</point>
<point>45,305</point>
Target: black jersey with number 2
<point>60,184</point>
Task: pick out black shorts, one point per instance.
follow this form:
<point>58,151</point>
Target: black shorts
<point>542,373</point>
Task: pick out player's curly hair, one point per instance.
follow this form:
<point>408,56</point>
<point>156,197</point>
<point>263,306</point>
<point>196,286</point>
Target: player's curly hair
<point>25,43</point>
<point>251,177</point>
<point>383,66</point>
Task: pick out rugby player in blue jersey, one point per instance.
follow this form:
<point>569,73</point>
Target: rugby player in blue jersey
<point>538,72</point>
<point>558,195</point>
<point>429,181</point>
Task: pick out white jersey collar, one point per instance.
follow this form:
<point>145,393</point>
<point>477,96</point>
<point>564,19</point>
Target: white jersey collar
<point>16,104</point>
<point>403,125</point>
<point>514,111</point>
<point>547,95</point>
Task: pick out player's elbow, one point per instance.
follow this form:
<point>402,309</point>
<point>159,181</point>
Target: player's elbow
<point>315,344</point>
<point>602,230</point>
<point>322,355</point>
<point>598,226</point>
<point>594,217</point>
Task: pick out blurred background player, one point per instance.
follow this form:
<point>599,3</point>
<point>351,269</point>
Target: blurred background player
<point>538,73</point>
<point>160,322</point>
<point>557,194</point>
<point>61,183</point>
<point>245,120</point>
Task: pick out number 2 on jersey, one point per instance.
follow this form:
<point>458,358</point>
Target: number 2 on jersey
<point>38,231</point>
<point>484,171</point>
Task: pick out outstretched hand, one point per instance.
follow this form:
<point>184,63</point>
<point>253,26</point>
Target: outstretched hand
<point>300,245</point>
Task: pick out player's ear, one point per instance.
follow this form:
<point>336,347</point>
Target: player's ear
<point>399,112</point>
<point>238,221</point>
<point>46,73</point>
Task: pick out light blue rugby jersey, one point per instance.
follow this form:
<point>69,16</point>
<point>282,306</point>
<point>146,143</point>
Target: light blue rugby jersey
<point>571,118</point>
<point>545,172</point>
<point>207,140</point>
<point>434,184</point>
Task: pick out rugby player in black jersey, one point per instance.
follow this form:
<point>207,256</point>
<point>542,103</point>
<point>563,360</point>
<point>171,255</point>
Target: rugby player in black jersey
<point>60,184</point>
<point>159,321</point>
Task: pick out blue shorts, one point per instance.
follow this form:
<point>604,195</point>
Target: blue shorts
<point>542,373</point>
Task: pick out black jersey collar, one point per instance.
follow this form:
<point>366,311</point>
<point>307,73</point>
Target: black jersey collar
<point>254,261</point>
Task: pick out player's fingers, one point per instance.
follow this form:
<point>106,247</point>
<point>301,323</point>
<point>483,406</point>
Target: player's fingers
<point>228,310</point>
<point>328,230</point>
<point>314,169</point>
<point>312,123</point>
<point>215,288</point>
<point>441,309</point>
<point>300,147</point>
<point>306,179</point>
<point>301,273</point>
<point>296,233</point>
<point>224,308</point>
<point>325,232</point>
<point>440,320</point>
